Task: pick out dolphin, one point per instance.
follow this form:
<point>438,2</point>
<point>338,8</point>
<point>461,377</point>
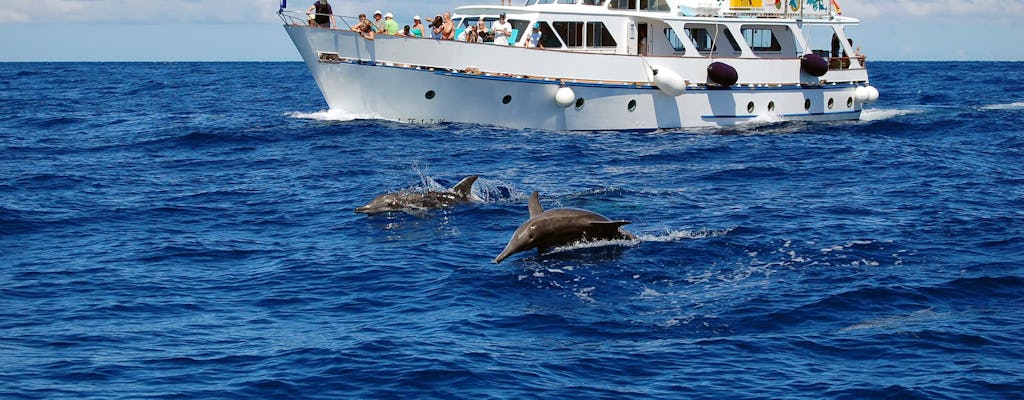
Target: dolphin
<point>411,200</point>
<point>559,227</point>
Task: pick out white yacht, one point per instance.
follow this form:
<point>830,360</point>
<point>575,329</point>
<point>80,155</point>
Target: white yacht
<point>603,65</point>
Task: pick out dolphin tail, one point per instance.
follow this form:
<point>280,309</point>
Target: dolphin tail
<point>465,186</point>
<point>535,208</point>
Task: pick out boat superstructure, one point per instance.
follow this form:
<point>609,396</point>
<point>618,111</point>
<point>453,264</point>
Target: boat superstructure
<point>604,65</point>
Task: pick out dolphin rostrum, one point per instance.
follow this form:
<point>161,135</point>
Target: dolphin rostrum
<point>407,200</point>
<point>561,226</point>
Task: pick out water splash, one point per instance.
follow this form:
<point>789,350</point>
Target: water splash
<point>334,115</point>
<point>875,114</point>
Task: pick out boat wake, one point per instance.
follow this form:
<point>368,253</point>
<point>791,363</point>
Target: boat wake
<point>874,114</point>
<point>1010,106</point>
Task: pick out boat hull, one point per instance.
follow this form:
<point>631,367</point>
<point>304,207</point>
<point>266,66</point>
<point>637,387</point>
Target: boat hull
<point>361,82</point>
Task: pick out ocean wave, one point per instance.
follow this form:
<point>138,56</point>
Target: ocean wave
<point>1005,106</point>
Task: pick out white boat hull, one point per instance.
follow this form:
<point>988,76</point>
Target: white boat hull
<point>377,79</point>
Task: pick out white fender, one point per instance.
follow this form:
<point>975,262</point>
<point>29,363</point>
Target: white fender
<point>872,94</point>
<point>564,96</point>
<point>669,82</point>
<point>862,94</point>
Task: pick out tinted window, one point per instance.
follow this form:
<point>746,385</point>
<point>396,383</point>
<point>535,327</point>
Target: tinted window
<point>571,32</point>
<point>598,36</point>
<point>674,40</point>
<point>761,40</point>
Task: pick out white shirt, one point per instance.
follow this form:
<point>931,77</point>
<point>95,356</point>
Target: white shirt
<point>500,29</point>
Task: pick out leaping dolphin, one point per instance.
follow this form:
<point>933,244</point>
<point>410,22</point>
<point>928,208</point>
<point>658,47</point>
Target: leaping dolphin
<point>561,226</point>
<point>407,200</point>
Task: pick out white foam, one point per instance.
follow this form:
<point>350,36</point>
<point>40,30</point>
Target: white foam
<point>333,115</point>
<point>875,114</point>
<point>1010,106</point>
<point>677,235</point>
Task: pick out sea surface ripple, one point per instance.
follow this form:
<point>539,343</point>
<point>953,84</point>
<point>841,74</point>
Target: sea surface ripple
<point>186,230</point>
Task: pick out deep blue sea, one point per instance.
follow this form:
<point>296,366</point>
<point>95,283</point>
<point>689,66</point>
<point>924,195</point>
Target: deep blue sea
<point>186,230</point>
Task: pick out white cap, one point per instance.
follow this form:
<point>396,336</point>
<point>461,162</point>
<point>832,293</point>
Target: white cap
<point>388,15</point>
<point>376,12</point>
<point>416,17</point>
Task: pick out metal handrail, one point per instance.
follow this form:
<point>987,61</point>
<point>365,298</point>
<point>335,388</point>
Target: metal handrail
<point>302,18</point>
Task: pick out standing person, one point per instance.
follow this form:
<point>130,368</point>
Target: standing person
<point>448,28</point>
<point>534,38</point>
<point>378,23</point>
<point>324,16</point>
<point>390,26</point>
<point>436,27</point>
<point>481,29</point>
<point>502,30</point>
<point>417,27</point>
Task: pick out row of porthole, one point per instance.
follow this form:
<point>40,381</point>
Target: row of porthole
<point>631,105</point>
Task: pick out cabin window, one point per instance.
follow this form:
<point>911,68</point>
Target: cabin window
<point>654,5</point>
<point>548,38</point>
<point>674,40</point>
<point>622,4</point>
<point>705,41</point>
<point>579,34</point>
<point>571,32</point>
<point>592,2</point>
<point>598,36</point>
<point>532,2</point>
<point>761,39</point>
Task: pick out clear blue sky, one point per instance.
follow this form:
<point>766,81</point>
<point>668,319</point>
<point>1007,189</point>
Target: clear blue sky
<point>248,30</point>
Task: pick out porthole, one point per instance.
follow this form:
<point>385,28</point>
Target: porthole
<point>807,104</point>
<point>849,102</point>
<point>771,106</point>
<point>579,103</point>
<point>631,106</point>
<point>507,99</point>
<point>750,107</point>
<point>831,103</point>
<point>430,95</point>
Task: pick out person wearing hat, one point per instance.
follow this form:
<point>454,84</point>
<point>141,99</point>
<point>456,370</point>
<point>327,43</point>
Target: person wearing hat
<point>417,27</point>
<point>390,26</point>
<point>534,39</point>
<point>321,13</point>
<point>378,22</point>
<point>502,30</point>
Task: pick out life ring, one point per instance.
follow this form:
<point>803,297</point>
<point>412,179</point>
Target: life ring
<point>835,6</point>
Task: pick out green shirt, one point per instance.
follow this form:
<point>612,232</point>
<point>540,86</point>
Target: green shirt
<point>391,26</point>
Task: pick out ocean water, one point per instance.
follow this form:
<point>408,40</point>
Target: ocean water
<point>186,230</point>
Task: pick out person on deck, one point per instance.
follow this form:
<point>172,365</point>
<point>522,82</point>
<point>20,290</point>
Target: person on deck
<point>502,30</point>
<point>417,27</point>
<point>324,16</point>
<point>448,28</point>
<point>390,26</point>
<point>534,38</point>
<point>378,22</point>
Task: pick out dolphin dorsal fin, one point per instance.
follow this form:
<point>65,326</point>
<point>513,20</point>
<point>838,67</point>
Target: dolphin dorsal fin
<point>465,186</point>
<point>535,208</point>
